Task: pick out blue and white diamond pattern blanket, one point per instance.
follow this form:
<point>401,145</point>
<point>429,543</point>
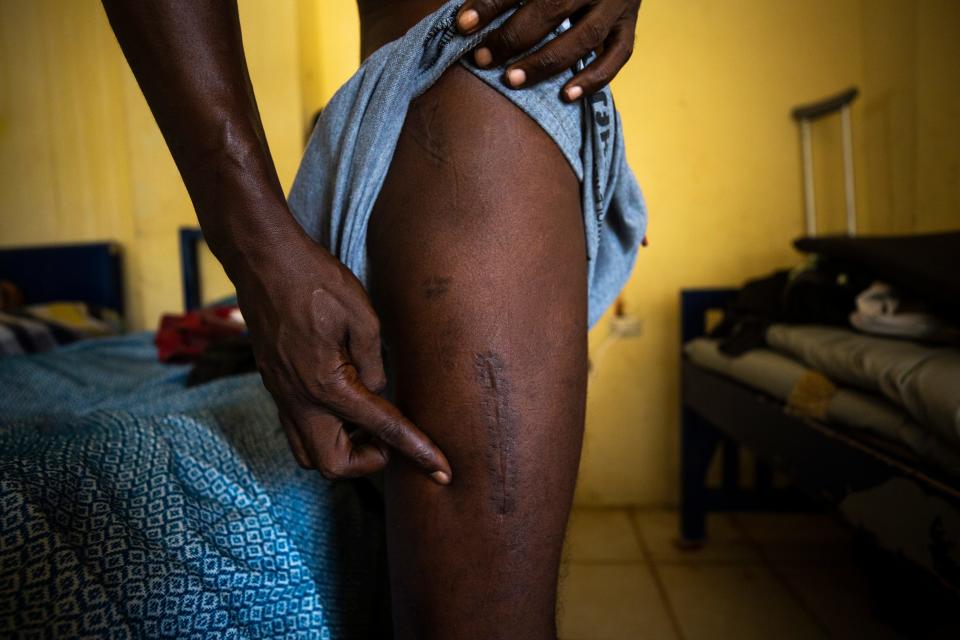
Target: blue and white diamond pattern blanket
<point>131,506</point>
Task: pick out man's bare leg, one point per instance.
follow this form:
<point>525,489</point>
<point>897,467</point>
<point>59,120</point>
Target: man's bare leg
<point>478,272</point>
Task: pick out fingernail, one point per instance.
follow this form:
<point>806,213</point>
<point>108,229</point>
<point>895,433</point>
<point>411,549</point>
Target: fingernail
<point>516,77</point>
<point>468,19</point>
<point>482,57</point>
<point>574,92</point>
<point>440,477</point>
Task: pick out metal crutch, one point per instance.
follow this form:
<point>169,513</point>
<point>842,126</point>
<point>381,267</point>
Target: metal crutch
<point>805,115</point>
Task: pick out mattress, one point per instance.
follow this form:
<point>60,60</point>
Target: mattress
<point>922,380</point>
<point>809,393</point>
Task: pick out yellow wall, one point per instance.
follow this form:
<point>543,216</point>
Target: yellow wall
<point>705,103</point>
<point>938,115</point>
<point>705,106</point>
<point>889,109</point>
<point>80,155</point>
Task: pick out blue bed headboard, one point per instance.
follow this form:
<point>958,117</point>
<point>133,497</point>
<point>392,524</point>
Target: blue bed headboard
<point>88,272</point>
<point>190,239</point>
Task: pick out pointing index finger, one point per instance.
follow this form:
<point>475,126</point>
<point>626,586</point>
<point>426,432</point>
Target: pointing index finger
<point>360,406</point>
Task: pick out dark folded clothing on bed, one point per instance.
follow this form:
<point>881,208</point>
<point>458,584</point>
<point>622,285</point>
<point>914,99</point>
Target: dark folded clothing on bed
<point>224,356</point>
<point>184,338</point>
<point>33,328</point>
<point>21,333</point>
<point>213,339</point>
<point>819,292</point>
<point>925,265</point>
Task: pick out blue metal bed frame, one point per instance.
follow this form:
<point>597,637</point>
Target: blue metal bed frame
<point>85,272</point>
<point>701,441</point>
<point>91,272</point>
<point>824,465</point>
<point>190,239</point>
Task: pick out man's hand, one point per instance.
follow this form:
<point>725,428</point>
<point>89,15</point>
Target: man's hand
<point>317,344</point>
<point>607,26</point>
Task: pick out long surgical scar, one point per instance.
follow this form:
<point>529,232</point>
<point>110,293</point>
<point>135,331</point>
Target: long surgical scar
<point>499,421</point>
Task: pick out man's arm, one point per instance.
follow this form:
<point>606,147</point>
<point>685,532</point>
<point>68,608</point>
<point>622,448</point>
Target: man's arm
<point>315,334</point>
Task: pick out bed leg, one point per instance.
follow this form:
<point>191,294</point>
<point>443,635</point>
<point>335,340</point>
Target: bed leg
<point>698,444</point>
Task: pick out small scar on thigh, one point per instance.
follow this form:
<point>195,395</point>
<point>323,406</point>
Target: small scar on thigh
<point>436,286</point>
<point>425,127</point>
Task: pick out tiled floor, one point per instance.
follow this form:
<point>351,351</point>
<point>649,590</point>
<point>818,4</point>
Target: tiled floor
<point>766,576</point>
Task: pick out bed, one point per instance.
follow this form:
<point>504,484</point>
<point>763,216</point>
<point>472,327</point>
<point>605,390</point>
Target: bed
<point>56,295</point>
<point>870,426</point>
<point>132,505</point>
<point>886,471</point>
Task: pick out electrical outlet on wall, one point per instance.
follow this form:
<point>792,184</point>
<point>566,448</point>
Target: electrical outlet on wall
<point>626,326</point>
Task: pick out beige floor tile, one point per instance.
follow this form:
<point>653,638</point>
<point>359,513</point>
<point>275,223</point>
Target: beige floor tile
<point>611,602</point>
<point>601,535</point>
<point>839,597</point>
<point>745,602</point>
<point>659,530</point>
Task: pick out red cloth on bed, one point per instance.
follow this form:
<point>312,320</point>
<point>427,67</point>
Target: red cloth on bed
<point>184,338</point>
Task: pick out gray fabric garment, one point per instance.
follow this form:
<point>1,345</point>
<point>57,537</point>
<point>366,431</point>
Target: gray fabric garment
<point>778,375</point>
<point>923,380</point>
<point>351,148</point>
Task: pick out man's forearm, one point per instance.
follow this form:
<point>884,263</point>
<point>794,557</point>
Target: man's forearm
<point>188,59</point>
<point>314,334</point>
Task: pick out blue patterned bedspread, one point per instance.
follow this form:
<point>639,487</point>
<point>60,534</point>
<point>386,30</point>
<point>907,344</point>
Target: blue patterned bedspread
<point>131,506</point>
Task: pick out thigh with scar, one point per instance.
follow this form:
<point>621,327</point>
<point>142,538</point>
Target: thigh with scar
<point>478,271</point>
